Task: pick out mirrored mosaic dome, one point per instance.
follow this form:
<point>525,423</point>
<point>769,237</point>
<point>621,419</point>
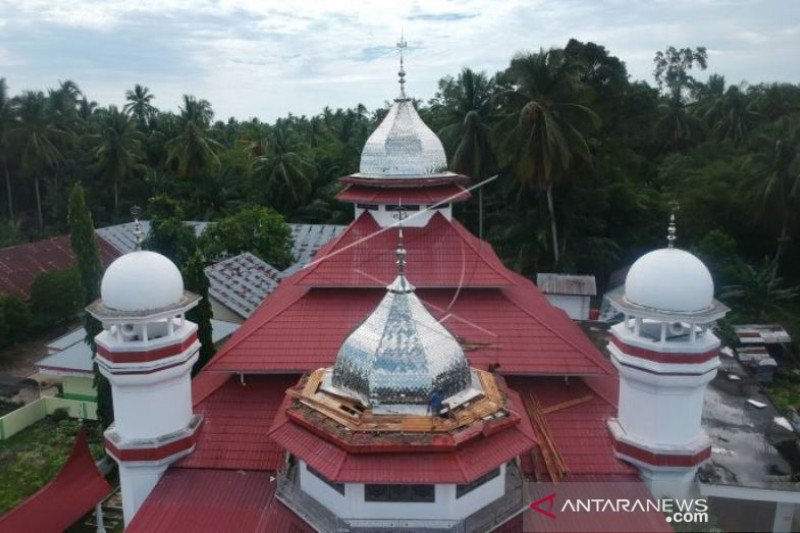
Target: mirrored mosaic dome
<point>402,146</point>
<point>401,354</point>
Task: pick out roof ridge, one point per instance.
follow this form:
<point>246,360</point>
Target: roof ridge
<point>511,298</point>
<point>478,247</point>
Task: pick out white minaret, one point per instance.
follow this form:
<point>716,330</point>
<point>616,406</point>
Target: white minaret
<point>146,351</point>
<point>666,355</point>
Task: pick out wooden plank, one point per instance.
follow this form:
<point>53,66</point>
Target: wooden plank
<point>567,404</point>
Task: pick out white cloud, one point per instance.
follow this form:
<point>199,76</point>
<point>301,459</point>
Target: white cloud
<point>273,57</point>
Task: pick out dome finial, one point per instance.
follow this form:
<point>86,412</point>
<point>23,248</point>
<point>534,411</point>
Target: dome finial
<point>136,211</point>
<point>672,229</point>
<point>401,44</point>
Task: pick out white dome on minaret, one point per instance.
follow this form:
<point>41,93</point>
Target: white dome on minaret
<point>141,281</point>
<point>670,279</point>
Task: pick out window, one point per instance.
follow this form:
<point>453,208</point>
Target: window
<point>404,207</point>
<point>338,487</point>
<point>399,493</point>
<point>369,207</point>
<point>469,487</point>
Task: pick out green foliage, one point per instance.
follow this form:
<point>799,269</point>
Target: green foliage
<point>195,280</point>
<point>32,457</point>
<point>169,235</point>
<point>672,66</point>
<point>259,230</point>
<point>757,291</point>
<point>84,243</point>
<point>15,320</point>
<point>718,251</point>
<point>56,297</point>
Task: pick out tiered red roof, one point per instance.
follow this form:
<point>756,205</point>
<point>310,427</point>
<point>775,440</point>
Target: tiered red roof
<point>500,317</point>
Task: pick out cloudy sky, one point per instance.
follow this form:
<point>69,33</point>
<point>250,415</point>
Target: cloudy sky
<point>265,58</point>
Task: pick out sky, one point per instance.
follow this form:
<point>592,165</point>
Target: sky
<point>265,59</point>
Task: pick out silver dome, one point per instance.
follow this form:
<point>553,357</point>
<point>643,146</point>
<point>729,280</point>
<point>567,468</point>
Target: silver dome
<point>402,146</point>
<point>401,354</point>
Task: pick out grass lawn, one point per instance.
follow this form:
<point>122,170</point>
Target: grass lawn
<point>32,457</point>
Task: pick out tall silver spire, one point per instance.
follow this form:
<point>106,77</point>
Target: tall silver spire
<point>402,44</point>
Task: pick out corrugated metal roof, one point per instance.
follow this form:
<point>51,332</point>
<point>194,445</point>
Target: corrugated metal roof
<point>308,238</point>
<point>442,254</point>
<point>73,492</point>
<point>566,284</point>
<point>121,237</point>
<point>298,329</point>
<point>77,358</point>
<point>242,282</point>
<point>19,265</point>
<point>65,341</point>
<point>189,500</point>
<point>236,418</point>
<point>579,431</point>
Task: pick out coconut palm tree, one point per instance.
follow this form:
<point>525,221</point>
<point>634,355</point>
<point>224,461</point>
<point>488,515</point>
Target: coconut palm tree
<point>139,104</point>
<point>6,120</point>
<point>466,106</point>
<point>543,132</point>
<point>37,139</point>
<point>776,183</point>
<point>288,173</point>
<point>729,114</point>
<point>117,149</point>
<point>192,150</point>
<point>759,291</point>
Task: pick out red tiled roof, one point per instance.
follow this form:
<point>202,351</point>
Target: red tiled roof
<point>420,195</point>
<point>19,265</point>
<point>580,431</point>
<point>75,490</point>
<point>441,254</point>
<point>466,463</point>
<point>189,500</point>
<point>299,330</point>
<point>236,419</point>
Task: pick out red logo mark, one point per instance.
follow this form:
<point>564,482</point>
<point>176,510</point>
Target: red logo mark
<point>547,512</point>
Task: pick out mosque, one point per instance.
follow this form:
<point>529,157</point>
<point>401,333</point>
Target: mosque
<point>405,379</point>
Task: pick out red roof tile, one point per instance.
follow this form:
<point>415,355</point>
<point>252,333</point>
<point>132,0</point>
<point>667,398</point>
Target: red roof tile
<point>19,265</point>
<point>189,500</point>
<point>415,195</point>
<point>580,431</point>
<point>297,330</point>
<point>442,254</point>
<point>236,418</point>
<point>75,490</point>
<point>466,463</point>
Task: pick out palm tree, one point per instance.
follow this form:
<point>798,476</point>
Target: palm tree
<point>37,139</point>
<point>729,114</point>
<point>139,104</point>
<point>677,125</point>
<point>759,291</point>
<point>466,106</point>
<point>6,119</point>
<point>287,172</point>
<point>542,133</point>
<point>776,184</point>
<point>192,149</point>
<point>117,149</point>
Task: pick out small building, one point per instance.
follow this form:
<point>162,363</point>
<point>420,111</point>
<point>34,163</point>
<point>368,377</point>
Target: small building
<point>74,365</point>
<point>572,293</point>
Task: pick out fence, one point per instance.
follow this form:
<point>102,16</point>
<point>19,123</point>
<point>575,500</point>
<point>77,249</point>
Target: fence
<point>29,414</point>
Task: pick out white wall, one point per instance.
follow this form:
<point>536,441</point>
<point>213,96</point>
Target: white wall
<point>351,505</point>
<point>577,307</point>
<point>414,219</point>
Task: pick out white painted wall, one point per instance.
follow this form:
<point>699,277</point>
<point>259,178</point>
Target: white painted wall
<point>413,219</point>
<point>577,307</point>
<point>351,505</point>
